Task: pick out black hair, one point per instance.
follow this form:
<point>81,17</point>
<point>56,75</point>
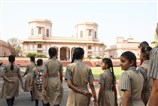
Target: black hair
<point>77,54</point>
<point>143,44</point>
<point>130,56</point>
<point>146,51</point>
<point>108,61</point>
<point>11,60</point>
<point>52,52</point>
<point>32,58</point>
<point>39,62</point>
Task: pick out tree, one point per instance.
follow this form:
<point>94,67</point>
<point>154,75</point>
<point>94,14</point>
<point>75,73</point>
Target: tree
<point>14,46</point>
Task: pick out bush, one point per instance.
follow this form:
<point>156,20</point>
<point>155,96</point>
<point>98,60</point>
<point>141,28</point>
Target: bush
<point>41,55</point>
<point>98,57</point>
<point>31,54</point>
<point>36,55</point>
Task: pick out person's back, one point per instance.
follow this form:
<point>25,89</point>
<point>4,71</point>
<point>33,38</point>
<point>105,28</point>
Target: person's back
<point>53,66</point>
<point>78,76</point>
<point>52,80</point>
<point>11,75</point>
<point>79,69</point>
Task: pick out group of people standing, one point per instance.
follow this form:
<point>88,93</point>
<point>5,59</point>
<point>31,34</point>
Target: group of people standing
<point>138,86</point>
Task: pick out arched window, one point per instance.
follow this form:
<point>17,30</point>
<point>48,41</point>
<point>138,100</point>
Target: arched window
<point>47,33</point>
<point>90,31</point>
<point>39,30</point>
<point>95,34</point>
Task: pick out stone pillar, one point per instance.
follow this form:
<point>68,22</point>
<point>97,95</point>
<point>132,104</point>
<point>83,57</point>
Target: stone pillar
<point>70,54</point>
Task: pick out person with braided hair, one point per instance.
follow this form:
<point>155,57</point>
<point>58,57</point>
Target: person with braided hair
<point>11,75</point>
<point>107,92</point>
<point>78,76</point>
<point>144,57</point>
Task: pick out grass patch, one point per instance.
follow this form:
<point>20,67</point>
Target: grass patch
<point>97,71</point>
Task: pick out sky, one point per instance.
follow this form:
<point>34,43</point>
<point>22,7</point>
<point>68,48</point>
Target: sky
<point>123,18</point>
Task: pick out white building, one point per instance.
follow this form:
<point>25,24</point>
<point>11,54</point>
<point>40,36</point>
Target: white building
<point>41,38</point>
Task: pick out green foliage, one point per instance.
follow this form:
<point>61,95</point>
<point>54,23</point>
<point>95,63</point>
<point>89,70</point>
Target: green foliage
<point>89,57</point>
<point>40,55</point>
<point>156,40</point>
<point>36,55</point>
<point>98,57</point>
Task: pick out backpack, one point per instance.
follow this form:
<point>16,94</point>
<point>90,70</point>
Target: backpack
<point>39,79</point>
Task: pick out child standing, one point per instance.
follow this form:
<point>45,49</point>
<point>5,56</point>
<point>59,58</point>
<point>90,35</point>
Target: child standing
<point>37,81</point>
<point>28,73</point>
<point>78,77</point>
<point>107,93</point>
<point>11,75</point>
<point>52,80</point>
<point>131,81</point>
<point>144,56</point>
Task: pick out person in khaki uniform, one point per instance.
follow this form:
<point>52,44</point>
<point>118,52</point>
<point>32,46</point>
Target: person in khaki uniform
<point>131,81</point>
<point>144,56</point>
<point>28,73</point>
<point>107,92</point>
<point>52,88</point>
<point>153,73</point>
<point>11,75</point>
<point>78,76</point>
<point>36,83</point>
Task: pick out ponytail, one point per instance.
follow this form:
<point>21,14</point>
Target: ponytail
<point>113,77</point>
<point>74,57</point>
<point>146,51</point>
<point>78,54</point>
<point>11,60</point>
<point>110,66</point>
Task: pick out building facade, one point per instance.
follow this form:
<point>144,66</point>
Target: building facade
<point>4,49</point>
<point>41,39</point>
<point>121,46</point>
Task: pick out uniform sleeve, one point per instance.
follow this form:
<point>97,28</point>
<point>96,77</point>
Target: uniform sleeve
<point>142,71</point>
<point>90,76</point>
<point>68,74</point>
<point>101,79</point>
<point>45,68</point>
<point>125,82</point>
<point>2,70</point>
